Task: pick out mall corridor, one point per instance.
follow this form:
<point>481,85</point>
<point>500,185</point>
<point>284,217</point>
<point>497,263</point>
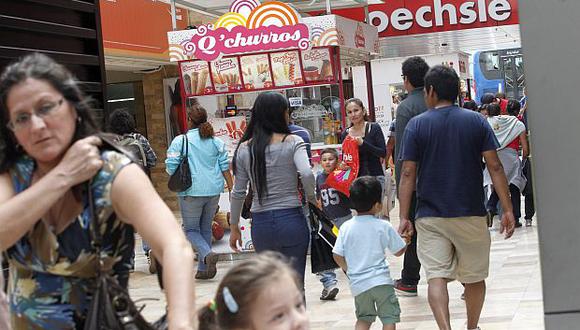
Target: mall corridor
<point>514,292</point>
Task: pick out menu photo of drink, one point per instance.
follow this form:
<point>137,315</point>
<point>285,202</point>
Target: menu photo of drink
<point>226,75</point>
<point>286,68</point>
<point>256,71</point>
<point>317,65</point>
<point>196,78</point>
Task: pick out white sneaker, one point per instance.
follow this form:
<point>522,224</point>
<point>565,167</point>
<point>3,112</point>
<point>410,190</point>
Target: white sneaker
<point>329,293</point>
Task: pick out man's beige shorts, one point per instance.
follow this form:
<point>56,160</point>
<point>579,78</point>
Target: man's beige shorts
<point>454,248</point>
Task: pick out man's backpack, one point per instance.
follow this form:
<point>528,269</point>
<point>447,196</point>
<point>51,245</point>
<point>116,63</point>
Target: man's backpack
<point>134,146</point>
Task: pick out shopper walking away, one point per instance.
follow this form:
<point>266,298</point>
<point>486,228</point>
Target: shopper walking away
<point>360,252</point>
<point>269,158</point>
<point>209,165</point>
<point>510,133</point>
<point>414,70</point>
<point>453,241</point>
<point>122,123</point>
<point>52,164</point>
<point>337,207</point>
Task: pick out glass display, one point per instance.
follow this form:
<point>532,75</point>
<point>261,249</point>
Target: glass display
<point>320,112</point>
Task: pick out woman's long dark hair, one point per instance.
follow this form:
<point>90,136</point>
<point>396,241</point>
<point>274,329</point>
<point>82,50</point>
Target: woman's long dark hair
<point>40,67</point>
<point>269,116</point>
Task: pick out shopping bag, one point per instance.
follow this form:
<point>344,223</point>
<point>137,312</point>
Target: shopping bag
<point>342,179</point>
<point>322,240</point>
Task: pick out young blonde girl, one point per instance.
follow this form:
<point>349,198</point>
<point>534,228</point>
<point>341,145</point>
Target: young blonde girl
<point>261,293</point>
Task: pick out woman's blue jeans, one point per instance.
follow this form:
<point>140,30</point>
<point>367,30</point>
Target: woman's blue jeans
<point>284,231</point>
<point>198,214</point>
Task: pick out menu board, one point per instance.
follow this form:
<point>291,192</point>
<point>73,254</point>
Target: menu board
<point>317,65</point>
<point>286,68</point>
<point>256,71</point>
<point>196,78</point>
<point>226,75</point>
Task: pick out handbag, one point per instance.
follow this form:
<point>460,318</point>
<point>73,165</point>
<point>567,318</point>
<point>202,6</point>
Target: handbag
<point>111,307</point>
<point>180,180</point>
<point>322,240</point>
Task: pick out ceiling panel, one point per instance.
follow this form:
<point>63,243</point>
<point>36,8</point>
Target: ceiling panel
<point>222,6</point>
<point>467,41</point>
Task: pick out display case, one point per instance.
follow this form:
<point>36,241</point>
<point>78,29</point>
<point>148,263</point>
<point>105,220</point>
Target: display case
<point>318,110</point>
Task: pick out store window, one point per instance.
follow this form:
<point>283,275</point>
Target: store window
<point>128,96</point>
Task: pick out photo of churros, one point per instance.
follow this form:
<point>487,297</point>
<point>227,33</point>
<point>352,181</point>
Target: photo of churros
<point>196,78</point>
<point>286,68</point>
<point>256,72</point>
<point>226,75</point>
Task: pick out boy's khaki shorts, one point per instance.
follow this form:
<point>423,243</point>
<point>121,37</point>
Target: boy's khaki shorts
<point>454,248</point>
<point>379,301</point>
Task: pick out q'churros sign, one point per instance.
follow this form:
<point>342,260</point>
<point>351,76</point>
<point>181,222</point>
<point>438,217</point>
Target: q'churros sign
<point>249,26</point>
<point>265,46</point>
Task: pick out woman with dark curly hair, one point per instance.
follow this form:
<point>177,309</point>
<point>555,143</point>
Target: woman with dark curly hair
<point>122,123</point>
<point>50,165</point>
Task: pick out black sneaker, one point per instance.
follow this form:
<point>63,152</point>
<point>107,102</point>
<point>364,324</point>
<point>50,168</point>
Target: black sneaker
<point>404,289</point>
<point>211,261</point>
<point>330,293</point>
<point>518,224</point>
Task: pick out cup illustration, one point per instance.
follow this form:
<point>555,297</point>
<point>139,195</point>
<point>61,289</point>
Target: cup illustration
<point>311,73</point>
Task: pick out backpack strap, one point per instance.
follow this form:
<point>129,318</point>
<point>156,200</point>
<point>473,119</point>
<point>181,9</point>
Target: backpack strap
<point>284,138</point>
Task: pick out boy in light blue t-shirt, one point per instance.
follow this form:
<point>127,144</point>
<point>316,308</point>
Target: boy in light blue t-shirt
<point>360,252</point>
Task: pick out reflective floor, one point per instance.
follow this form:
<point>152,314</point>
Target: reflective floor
<point>514,296</point>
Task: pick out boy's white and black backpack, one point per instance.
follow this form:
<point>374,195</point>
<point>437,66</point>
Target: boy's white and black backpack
<point>132,144</point>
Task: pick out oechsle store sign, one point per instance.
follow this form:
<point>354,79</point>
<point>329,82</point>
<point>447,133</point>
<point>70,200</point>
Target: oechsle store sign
<point>403,17</point>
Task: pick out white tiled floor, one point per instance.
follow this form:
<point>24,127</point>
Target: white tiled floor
<point>514,296</point>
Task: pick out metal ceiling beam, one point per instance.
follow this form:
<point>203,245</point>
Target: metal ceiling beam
<point>200,9</point>
<point>309,4</point>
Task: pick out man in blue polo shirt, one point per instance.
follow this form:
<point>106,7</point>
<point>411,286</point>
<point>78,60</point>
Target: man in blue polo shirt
<point>441,154</point>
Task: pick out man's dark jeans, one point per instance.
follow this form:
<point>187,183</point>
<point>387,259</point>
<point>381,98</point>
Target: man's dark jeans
<point>516,202</point>
<point>410,275</point>
<point>529,190</point>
